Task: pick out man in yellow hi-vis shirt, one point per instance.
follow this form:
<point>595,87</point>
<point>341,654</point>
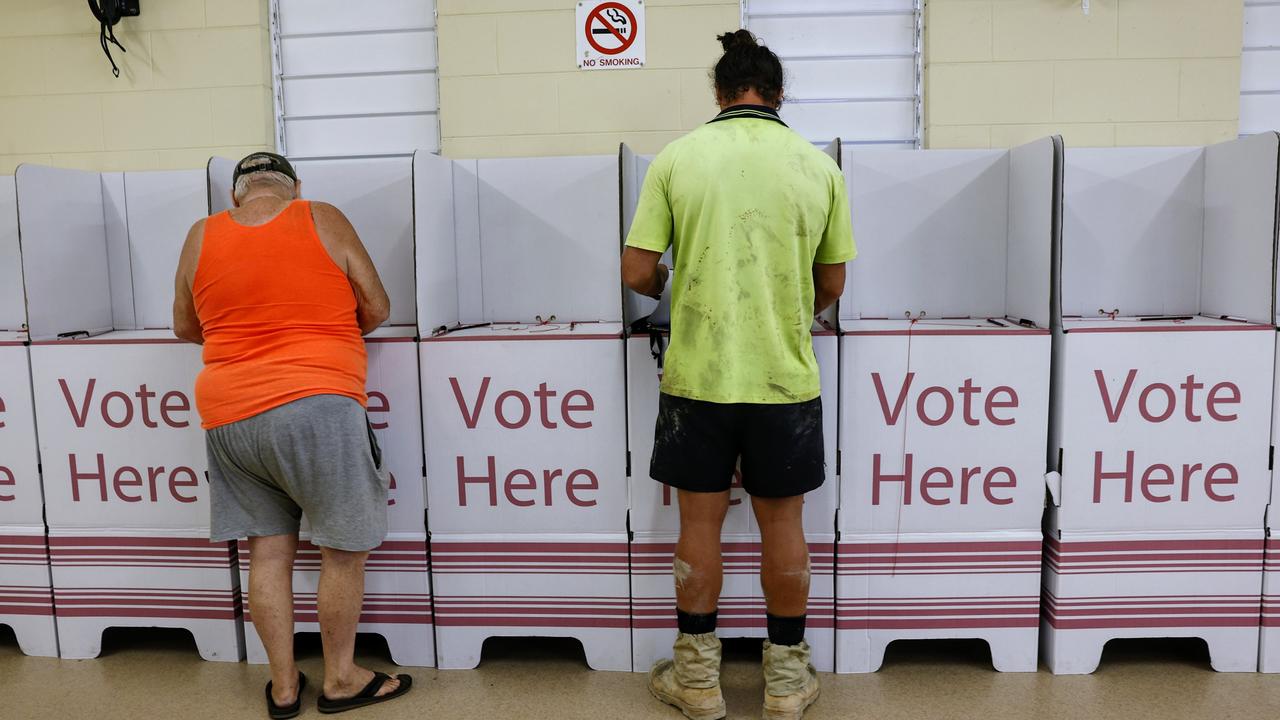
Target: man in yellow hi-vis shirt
<point>759,220</point>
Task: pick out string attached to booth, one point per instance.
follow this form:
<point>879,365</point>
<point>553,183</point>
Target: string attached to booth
<point>906,422</point>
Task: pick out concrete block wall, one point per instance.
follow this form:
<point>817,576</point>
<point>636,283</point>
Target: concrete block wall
<point>510,84</point>
<point>195,82</point>
<point>1132,72</point>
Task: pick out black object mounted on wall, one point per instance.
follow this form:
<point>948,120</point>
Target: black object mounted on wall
<point>108,13</point>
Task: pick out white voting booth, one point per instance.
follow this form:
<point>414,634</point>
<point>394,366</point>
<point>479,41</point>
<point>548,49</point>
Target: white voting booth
<point>377,196</point>
<point>1164,354</point>
<point>523,402</point>
<point>125,488</point>
<point>26,597</point>
<point>944,389</point>
<point>654,513</point>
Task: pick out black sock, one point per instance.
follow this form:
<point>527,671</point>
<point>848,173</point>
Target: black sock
<point>785,630</point>
<point>695,624</point>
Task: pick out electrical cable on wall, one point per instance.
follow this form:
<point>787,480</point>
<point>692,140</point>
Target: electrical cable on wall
<point>108,14</point>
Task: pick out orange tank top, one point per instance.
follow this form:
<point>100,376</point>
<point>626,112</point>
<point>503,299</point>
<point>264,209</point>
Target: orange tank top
<point>278,316</point>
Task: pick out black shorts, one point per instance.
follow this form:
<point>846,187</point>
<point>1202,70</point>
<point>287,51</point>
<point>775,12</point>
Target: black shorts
<point>697,444</point>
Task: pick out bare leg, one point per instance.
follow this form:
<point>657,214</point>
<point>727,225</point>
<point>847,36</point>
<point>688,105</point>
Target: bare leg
<point>271,602</point>
<point>341,599</point>
<point>784,569</point>
<point>699,567</point>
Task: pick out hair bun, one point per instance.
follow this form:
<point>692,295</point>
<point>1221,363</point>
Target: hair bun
<point>738,40</point>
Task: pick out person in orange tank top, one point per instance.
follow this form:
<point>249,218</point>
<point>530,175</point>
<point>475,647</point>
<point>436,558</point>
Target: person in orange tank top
<point>280,291</point>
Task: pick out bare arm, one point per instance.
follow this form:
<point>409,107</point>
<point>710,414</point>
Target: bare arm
<point>642,272</point>
<point>373,307</point>
<point>186,324</point>
<point>828,285</point>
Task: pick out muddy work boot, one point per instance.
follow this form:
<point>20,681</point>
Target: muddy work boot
<point>790,682</point>
<point>691,681</point>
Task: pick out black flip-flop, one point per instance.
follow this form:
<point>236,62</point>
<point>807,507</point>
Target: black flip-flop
<point>367,696</point>
<point>284,712</point>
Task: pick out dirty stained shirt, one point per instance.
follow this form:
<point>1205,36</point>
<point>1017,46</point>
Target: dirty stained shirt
<point>749,206</point>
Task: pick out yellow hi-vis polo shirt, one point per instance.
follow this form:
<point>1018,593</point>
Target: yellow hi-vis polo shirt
<point>750,206</point>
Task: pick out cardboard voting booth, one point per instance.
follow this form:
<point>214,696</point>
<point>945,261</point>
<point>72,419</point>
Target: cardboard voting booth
<point>654,512</point>
<point>26,596</point>
<point>126,494</point>
<point>523,402</point>
<point>1164,357</point>
<point>377,196</point>
<point>944,390</point>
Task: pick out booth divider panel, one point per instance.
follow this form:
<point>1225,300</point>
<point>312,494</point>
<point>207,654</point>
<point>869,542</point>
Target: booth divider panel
<point>64,251</point>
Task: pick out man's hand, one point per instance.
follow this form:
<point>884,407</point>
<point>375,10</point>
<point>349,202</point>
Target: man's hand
<point>642,272</point>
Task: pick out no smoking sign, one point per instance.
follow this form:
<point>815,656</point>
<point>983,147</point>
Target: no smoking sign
<point>610,34</point>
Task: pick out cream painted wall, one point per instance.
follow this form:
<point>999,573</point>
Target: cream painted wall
<point>510,86</point>
<point>196,81</point>
<point>1132,72</point>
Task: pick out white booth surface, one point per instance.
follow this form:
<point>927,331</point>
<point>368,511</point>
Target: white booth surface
<point>900,586</point>
<point>546,584</point>
<point>510,240</point>
<point>1269,652</point>
<point>26,598</point>
<point>126,493</point>
<point>21,499</point>
<point>1164,426</point>
<point>1100,586</point>
<point>943,433</point>
<point>526,461</point>
<point>1160,432</point>
<point>13,301</point>
<point>397,600</point>
<point>655,525</point>
<point>100,250</point>
<point>26,594</point>
<point>943,426</point>
<point>944,408</point>
<point>120,437</point>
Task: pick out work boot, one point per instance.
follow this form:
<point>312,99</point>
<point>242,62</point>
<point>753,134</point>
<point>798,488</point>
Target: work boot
<point>691,681</point>
<point>790,682</point>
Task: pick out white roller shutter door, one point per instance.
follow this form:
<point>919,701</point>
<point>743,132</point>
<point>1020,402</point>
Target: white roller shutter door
<point>355,79</point>
<point>853,66</point>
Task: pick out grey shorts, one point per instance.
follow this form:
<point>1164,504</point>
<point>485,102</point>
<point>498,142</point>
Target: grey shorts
<point>318,456</point>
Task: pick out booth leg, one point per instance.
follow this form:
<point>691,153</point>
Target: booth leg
<point>458,648</point>
<point>1269,651</point>
<point>36,635</point>
<point>1233,649</point>
<point>859,651</point>
<point>80,639</point>
<point>219,640</point>
<point>1015,650</point>
<point>607,650</point>
<point>1072,652</point>
<point>412,646</point>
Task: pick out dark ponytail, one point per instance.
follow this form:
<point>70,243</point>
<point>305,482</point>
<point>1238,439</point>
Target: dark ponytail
<point>747,65</point>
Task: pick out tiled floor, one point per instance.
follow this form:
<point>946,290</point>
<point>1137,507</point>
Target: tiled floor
<point>157,674</point>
